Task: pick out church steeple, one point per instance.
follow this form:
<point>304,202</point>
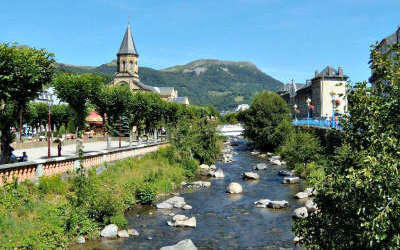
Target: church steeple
<point>127,45</point>
<point>127,58</point>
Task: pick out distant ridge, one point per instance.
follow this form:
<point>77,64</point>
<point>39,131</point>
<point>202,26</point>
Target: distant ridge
<point>224,84</point>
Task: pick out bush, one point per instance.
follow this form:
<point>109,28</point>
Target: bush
<point>314,172</point>
<point>146,194</point>
<point>119,220</point>
<point>52,184</point>
<point>300,148</point>
<point>262,119</point>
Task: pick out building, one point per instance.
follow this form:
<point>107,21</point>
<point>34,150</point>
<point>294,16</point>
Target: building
<point>384,47</point>
<point>327,92</point>
<point>128,72</point>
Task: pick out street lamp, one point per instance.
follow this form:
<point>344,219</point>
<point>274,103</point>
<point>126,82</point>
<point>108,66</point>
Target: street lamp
<point>295,110</point>
<point>48,97</point>
<point>308,101</point>
<point>333,94</point>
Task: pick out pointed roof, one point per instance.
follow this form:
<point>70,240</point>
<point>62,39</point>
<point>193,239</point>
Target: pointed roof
<point>328,71</point>
<point>127,45</point>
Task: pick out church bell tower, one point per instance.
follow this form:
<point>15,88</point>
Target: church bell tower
<point>127,61</point>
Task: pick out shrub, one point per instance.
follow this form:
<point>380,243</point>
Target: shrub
<point>313,172</point>
<point>52,184</point>
<point>261,120</point>
<point>146,194</point>
<point>119,220</point>
<point>300,148</point>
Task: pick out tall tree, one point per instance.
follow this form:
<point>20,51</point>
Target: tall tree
<point>359,200</point>
<point>23,72</point>
<point>261,120</point>
<point>77,90</point>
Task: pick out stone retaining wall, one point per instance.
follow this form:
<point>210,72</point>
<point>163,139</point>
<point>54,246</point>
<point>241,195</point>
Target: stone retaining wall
<point>35,169</point>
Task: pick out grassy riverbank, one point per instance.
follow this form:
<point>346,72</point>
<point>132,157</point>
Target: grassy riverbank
<point>52,214</point>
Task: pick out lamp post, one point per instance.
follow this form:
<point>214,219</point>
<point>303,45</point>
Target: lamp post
<point>2,107</point>
<point>295,110</point>
<point>333,94</point>
<point>308,101</point>
<point>48,97</point>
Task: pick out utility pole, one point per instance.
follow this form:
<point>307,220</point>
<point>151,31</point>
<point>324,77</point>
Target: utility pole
<point>120,133</point>
<point>48,134</point>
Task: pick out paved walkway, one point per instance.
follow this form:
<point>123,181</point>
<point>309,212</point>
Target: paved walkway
<point>68,150</point>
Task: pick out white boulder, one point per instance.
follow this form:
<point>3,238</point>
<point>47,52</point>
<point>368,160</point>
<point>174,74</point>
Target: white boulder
<point>164,205</point>
<point>201,184</point>
<point>311,206</point>
<point>123,234</point>
<point>179,217</point>
<point>291,180</point>
<point>187,207</point>
<point>183,223</point>
<point>133,232</point>
<point>219,173</point>
<point>271,204</point>
<point>109,231</point>
<point>80,240</point>
<point>260,166</point>
<point>300,213</point>
<point>181,245</point>
<point>251,176</point>
<point>234,188</point>
<point>301,195</point>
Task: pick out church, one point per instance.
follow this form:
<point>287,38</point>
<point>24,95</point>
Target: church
<point>128,72</point>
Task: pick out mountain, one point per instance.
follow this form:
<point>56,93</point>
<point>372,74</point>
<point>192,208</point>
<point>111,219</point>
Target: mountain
<point>224,84</point>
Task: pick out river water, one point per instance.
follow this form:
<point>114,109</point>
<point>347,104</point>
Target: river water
<point>223,221</point>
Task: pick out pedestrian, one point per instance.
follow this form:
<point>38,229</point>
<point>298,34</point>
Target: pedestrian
<point>59,148</point>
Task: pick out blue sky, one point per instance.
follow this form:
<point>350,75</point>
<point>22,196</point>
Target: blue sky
<point>284,38</point>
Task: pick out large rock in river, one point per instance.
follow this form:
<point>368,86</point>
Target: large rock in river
<point>184,223</point>
<point>109,231</point>
<point>181,245</point>
<point>201,184</point>
<point>260,166</point>
<point>272,204</point>
<point>291,180</point>
<point>301,195</point>
<point>311,206</point>
<point>284,173</point>
<point>234,188</point>
<point>251,176</point>
<point>218,174</point>
<point>300,213</point>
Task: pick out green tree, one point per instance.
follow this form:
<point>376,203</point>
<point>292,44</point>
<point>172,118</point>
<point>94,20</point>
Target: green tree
<point>359,200</point>
<point>77,90</point>
<point>261,120</point>
<point>23,72</point>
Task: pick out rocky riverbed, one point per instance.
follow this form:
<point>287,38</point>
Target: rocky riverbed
<point>223,220</point>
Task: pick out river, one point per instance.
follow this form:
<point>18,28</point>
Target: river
<point>223,221</point>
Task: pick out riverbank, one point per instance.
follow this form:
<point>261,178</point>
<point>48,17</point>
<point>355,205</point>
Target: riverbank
<point>55,212</point>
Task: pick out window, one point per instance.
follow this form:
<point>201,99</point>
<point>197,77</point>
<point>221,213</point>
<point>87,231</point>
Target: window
<point>131,66</point>
<point>123,66</point>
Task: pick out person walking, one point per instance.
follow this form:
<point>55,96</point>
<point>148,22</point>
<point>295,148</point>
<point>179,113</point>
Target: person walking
<point>59,148</point>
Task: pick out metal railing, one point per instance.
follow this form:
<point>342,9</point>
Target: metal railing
<point>321,123</point>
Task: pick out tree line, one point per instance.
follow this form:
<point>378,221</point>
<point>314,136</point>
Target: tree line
<point>25,72</point>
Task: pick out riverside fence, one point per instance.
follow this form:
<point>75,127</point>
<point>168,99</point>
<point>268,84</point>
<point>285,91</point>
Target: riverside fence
<point>32,170</point>
<point>320,123</point>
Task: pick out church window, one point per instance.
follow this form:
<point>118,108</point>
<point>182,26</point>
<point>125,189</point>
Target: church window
<point>131,65</point>
<point>123,66</point>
